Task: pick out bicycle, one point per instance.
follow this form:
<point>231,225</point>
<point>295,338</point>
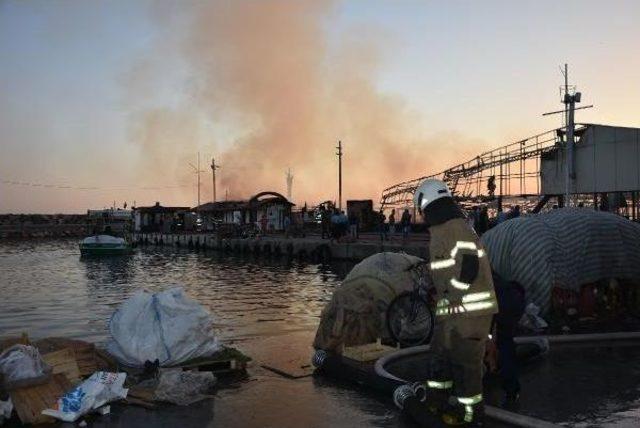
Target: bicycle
<point>410,319</point>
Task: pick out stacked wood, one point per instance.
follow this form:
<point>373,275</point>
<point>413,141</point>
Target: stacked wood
<point>70,361</point>
<point>29,402</point>
<point>85,352</point>
<point>64,362</point>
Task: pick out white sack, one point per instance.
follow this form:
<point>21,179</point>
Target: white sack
<point>167,326</point>
<point>99,389</point>
<point>6,407</point>
<point>21,365</point>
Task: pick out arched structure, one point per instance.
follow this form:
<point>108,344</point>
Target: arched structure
<point>274,196</point>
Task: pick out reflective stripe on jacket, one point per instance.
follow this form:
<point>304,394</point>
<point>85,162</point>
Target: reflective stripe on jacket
<point>460,270</point>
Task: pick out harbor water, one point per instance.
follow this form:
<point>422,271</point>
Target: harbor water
<point>269,308</point>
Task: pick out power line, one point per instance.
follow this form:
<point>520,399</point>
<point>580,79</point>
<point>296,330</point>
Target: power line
<point>85,188</point>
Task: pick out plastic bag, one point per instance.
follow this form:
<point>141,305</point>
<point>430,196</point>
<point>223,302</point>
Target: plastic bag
<point>21,365</point>
<point>6,407</point>
<point>183,387</point>
<point>99,389</point>
<point>531,319</point>
<point>167,326</point>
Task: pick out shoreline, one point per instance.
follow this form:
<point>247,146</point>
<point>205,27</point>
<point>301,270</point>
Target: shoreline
<point>310,248</point>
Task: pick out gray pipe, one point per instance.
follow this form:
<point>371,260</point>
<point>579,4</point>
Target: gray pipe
<point>577,338</point>
<point>517,419</point>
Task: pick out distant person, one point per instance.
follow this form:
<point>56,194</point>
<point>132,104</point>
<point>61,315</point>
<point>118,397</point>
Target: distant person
<point>515,212</point>
<point>287,226</point>
<point>335,224</point>
<point>108,231</point>
<point>502,217</point>
<point>325,222</point>
<point>382,227</point>
<point>475,215</point>
<point>343,223</point>
<point>392,222</point>
<point>483,220</point>
<point>405,222</point>
<point>263,223</point>
<point>353,225</point>
<point>471,222</point>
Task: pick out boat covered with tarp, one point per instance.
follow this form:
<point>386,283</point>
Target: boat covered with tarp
<point>564,248</point>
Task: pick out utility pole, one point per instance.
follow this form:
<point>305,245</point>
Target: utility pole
<point>339,154</point>
<point>213,172</point>
<point>197,171</point>
<point>289,184</point>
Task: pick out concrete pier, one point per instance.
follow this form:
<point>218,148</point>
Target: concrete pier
<point>313,249</point>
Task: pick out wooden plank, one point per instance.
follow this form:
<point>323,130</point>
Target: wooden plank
<point>216,366</point>
<point>139,402</point>
<point>29,402</point>
<point>85,352</point>
<point>146,394</point>
<point>64,362</point>
<point>296,373</point>
<point>8,342</point>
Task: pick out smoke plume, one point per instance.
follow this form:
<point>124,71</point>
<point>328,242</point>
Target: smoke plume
<point>296,88</point>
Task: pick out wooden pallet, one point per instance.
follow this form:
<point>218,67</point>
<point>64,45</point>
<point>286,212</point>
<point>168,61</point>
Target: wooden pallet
<point>64,362</point>
<point>85,352</point>
<point>216,366</point>
<point>29,402</point>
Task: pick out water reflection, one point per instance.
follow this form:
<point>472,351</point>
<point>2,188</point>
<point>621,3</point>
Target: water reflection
<point>50,290</point>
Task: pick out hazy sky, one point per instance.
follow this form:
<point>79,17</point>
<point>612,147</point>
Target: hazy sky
<point>118,96</point>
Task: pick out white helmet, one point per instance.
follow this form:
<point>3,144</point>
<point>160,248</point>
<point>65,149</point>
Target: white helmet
<point>428,191</point>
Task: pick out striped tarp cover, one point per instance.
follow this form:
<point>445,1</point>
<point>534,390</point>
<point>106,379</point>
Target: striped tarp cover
<point>563,248</point>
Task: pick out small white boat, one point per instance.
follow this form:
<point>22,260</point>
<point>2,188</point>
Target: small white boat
<point>104,245</point>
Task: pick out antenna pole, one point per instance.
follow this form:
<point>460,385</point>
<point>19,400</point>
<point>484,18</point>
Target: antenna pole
<point>568,136</point>
<point>289,184</point>
<point>339,147</point>
<point>197,171</point>
<point>569,100</point>
<point>213,173</point>
<point>198,180</point>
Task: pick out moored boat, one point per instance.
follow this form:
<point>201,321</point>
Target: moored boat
<point>104,245</point>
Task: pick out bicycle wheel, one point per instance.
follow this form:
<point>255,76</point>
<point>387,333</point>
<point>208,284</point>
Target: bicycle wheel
<point>410,319</point>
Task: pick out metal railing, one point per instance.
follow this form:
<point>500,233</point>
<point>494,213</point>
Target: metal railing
<point>513,169</point>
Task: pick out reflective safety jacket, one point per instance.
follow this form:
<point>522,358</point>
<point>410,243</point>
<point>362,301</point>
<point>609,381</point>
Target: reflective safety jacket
<point>460,270</point>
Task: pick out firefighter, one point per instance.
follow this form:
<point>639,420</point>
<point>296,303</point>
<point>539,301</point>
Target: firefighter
<point>465,304</point>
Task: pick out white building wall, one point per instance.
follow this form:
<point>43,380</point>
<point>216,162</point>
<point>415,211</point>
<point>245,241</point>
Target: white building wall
<point>607,159</point>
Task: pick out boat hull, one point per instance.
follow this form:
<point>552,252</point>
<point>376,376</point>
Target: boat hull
<point>104,250</point>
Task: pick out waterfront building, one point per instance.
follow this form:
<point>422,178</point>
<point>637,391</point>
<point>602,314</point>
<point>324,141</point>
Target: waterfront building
<point>272,205</point>
<point>158,218</point>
